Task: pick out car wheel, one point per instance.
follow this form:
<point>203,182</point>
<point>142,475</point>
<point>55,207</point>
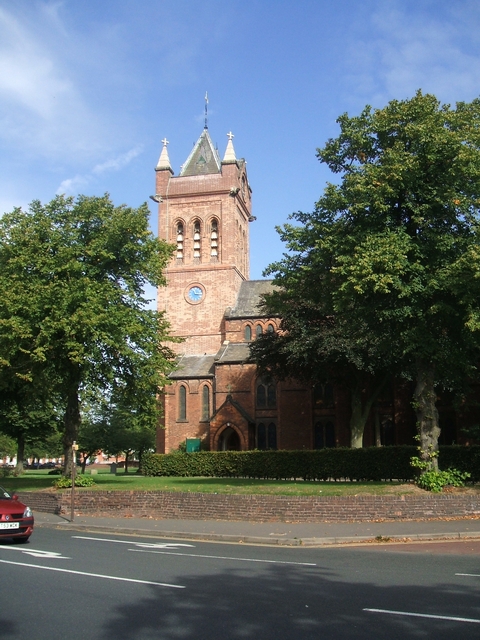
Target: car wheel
<point>21,540</point>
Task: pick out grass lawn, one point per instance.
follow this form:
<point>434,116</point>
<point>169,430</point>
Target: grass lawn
<point>41,481</point>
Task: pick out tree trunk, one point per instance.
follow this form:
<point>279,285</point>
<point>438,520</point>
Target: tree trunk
<point>361,411</point>
<point>357,421</point>
<point>20,455</point>
<point>71,423</point>
<point>427,414</point>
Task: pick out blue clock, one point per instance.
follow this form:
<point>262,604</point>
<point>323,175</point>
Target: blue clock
<point>195,294</point>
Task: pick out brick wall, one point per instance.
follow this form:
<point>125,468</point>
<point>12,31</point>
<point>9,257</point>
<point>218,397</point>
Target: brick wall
<point>260,508</point>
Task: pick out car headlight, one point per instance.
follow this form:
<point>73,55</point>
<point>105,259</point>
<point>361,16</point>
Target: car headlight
<point>27,513</point>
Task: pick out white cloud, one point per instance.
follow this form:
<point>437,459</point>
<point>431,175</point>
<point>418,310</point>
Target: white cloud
<point>436,51</point>
<point>75,184</point>
<point>119,162</point>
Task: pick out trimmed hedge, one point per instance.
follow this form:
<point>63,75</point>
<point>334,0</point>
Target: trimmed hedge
<point>373,463</point>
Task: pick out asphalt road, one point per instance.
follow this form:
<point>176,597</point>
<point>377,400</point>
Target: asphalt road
<point>96,586</point>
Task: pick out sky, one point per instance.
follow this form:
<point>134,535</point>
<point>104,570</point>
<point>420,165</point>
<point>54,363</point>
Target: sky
<point>89,89</point>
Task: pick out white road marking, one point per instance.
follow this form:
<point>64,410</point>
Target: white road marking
<point>93,575</point>
<point>470,575</point>
<point>423,615</point>
<point>38,553</point>
<point>197,555</point>
<point>148,545</point>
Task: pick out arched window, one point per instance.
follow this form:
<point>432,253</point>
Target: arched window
<point>323,396</point>
<point>324,435</point>
<point>197,240</point>
<point>180,237</point>
<point>182,403</point>
<point>258,330</point>
<point>214,240</point>
<point>271,328</point>
<point>205,403</point>
<point>266,436</point>
<point>248,333</point>
<point>266,394</point>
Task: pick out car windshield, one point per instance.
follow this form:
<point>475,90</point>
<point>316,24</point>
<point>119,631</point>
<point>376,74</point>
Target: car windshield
<point>4,495</point>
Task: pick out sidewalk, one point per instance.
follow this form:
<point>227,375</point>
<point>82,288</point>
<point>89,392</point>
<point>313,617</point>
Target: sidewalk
<point>271,533</point>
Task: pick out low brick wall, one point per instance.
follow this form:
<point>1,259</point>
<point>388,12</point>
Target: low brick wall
<point>258,508</point>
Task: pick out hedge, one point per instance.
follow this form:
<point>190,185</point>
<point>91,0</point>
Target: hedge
<point>371,464</point>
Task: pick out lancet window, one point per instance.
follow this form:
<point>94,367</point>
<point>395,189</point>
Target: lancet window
<point>180,238</point>
<point>197,247</point>
<point>214,240</point>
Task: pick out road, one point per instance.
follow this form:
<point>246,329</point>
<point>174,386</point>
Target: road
<point>81,585</point>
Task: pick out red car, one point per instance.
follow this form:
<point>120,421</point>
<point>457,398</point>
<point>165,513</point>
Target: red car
<point>16,519</point>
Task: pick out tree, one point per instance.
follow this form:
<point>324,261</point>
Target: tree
<point>393,249</point>
<point>72,279</point>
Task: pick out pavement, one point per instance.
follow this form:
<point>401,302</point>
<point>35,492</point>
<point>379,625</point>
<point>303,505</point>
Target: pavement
<point>269,533</point>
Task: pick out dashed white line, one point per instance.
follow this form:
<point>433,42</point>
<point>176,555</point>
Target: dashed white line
<point>423,615</point>
<point>93,575</point>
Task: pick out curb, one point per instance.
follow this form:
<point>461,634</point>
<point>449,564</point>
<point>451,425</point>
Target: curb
<point>273,541</point>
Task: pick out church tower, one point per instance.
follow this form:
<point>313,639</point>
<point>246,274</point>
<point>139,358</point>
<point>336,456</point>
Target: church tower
<point>205,212</point>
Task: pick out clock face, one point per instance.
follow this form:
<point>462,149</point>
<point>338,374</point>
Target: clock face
<point>195,294</point>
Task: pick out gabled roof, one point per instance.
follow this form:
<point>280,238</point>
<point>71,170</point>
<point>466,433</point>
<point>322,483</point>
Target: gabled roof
<point>193,367</point>
<point>250,298</point>
<point>203,159</point>
<point>237,406</point>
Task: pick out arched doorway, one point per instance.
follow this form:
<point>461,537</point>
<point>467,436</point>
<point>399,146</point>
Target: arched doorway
<point>229,440</point>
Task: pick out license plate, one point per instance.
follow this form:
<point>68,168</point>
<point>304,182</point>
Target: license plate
<point>9,525</point>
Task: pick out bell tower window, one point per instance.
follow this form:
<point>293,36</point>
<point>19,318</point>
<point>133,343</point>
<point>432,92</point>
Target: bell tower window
<point>196,240</point>
<point>180,237</point>
<point>214,240</point>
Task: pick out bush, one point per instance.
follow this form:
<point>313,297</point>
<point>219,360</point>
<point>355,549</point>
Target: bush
<point>436,481</point>
<point>80,481</point>
<point>386,463</point>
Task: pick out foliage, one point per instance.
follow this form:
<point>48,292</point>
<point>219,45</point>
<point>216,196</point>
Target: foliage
<point>371,464</point>
<point>80,481</point>
<point>383,274</point>
<point>436,481</point>
<point>74,315</point>
<point>7,446</point>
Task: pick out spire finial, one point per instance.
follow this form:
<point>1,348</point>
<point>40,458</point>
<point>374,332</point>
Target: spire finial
<point>206,109</point>
<point>164,160</point>
<point>230,151</point>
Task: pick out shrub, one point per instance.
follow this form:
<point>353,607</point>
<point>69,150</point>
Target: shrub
<point>80,481</point>
<point>436,481</point>
<point>386,463</point>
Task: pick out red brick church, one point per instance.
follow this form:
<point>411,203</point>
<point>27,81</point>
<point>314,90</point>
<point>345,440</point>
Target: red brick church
<point>215,395</point>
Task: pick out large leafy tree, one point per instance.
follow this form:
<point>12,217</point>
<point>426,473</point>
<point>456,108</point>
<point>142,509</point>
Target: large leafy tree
<point>74,312</point>
<point>392,249</point>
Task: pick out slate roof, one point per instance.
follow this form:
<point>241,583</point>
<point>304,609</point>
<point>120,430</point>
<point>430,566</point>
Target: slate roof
<point>250,298</point>
<point>193,367</point>
<point>203,159</point>
<point>233,352</point>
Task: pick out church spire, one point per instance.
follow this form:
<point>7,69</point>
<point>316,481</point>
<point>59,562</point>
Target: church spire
<point>164,160</point>
<point>230,151</point>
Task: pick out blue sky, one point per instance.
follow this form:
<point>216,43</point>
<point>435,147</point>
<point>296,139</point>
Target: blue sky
<point>88,89</point>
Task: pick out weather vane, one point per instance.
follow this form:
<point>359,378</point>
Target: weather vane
<point>206,109</point>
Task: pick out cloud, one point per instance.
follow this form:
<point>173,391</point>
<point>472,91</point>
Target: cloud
<point>436,51</point>
<point>43,111</point>
<point>117,163</point>
<point>78,182</point>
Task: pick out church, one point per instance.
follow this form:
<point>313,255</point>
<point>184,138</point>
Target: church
<point>215,394</point>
